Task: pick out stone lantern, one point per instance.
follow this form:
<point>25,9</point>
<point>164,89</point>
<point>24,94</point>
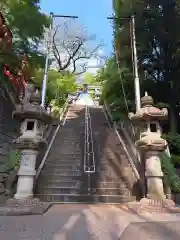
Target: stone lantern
<point>151,145</point>
<point>33,120</point>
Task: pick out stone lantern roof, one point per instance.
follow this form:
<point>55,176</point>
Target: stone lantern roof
<point>148,111</point>
<point>32,110</point>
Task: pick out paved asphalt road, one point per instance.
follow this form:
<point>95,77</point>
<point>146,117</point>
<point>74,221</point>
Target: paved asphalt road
<point>78,222</point>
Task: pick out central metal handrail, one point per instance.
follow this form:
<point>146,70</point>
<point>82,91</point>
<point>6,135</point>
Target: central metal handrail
<point>89,161</point>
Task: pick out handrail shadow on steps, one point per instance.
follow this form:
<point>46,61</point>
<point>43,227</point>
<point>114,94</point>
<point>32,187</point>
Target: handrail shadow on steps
<point>132,157</point>
<point>138,188</point>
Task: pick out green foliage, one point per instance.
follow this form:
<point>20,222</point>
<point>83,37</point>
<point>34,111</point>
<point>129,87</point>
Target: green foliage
<point>57,111</point>
<point>59,85</point>
<point>158,41</point>
<point>174,142</point>
<point>114,81</point>
<point>174,147</point>
<point>90,79</point>
<point>13,161</point>
<point>27,24</point>
<point>170,172</point>
<point>158,47</point>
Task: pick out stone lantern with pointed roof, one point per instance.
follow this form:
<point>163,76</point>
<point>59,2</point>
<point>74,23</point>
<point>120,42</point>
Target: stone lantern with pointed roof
<point>33,118</point>
<point>151,144</point>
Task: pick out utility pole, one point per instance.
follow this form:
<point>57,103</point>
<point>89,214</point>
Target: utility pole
<point>136,77</point>
<point>44,84</point>
<point>136,80</point>
<point>49,45</point>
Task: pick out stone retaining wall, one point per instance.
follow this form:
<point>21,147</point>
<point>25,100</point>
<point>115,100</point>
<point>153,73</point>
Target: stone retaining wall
<point>9,129</point>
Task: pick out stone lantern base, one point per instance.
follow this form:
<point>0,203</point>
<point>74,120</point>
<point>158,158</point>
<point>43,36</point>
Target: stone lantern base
<point>14,207</point>
<point>151,205</point>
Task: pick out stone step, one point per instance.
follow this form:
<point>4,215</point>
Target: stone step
<point>71,143</point>
<point>65,156</point>
<point>84,198</point>
<point>76,123</point>
<point>61,163</point>
<point>56,158</point>
<point>58,179</point>
<point>76,187</point>
<point>112,184</point>
<point>61,169</point>
<point>112,191</point>
<point>57,174</point>
<point>59,190</point>
<point>65,150</point>
<point>75,144</point>
<point>55,184</point>
<point>70,132</point>
<point>65,183</point>
<point>67,137</point>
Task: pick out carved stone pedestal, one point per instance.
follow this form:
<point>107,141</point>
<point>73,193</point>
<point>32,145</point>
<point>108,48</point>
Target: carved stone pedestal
<point>151,205</point>
<point>18,207</point>
<point>26,174</point>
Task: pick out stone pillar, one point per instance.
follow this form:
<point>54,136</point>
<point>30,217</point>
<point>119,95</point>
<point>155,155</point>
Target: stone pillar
<point>154,175</point>
<point>33,120</point>
<point>26,174</point>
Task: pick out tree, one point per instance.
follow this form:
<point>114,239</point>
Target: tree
<point>72,47</point>
<point>27,24</point>
<point>158,43</point>
<point>89,78</point>
<point>59,85</point>
<point>118,88</point>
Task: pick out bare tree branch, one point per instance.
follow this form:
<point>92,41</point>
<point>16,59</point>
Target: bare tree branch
<point>70,48</point>
<point>82,66</point>
<point>55,49</point>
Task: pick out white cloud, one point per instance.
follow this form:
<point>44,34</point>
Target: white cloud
<point>93,65</point>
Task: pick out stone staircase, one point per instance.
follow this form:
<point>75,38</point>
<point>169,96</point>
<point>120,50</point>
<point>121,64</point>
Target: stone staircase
<point>63,178</point>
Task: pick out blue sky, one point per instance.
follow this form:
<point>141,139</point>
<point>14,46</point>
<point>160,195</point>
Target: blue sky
<point>92,14</point>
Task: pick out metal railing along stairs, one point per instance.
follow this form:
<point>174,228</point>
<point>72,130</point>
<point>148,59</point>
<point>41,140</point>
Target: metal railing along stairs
<point>89,160</point>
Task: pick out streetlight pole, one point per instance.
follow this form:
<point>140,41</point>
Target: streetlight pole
<point>44,84</point>
<point>136,77</point>
<point>49,45</point>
